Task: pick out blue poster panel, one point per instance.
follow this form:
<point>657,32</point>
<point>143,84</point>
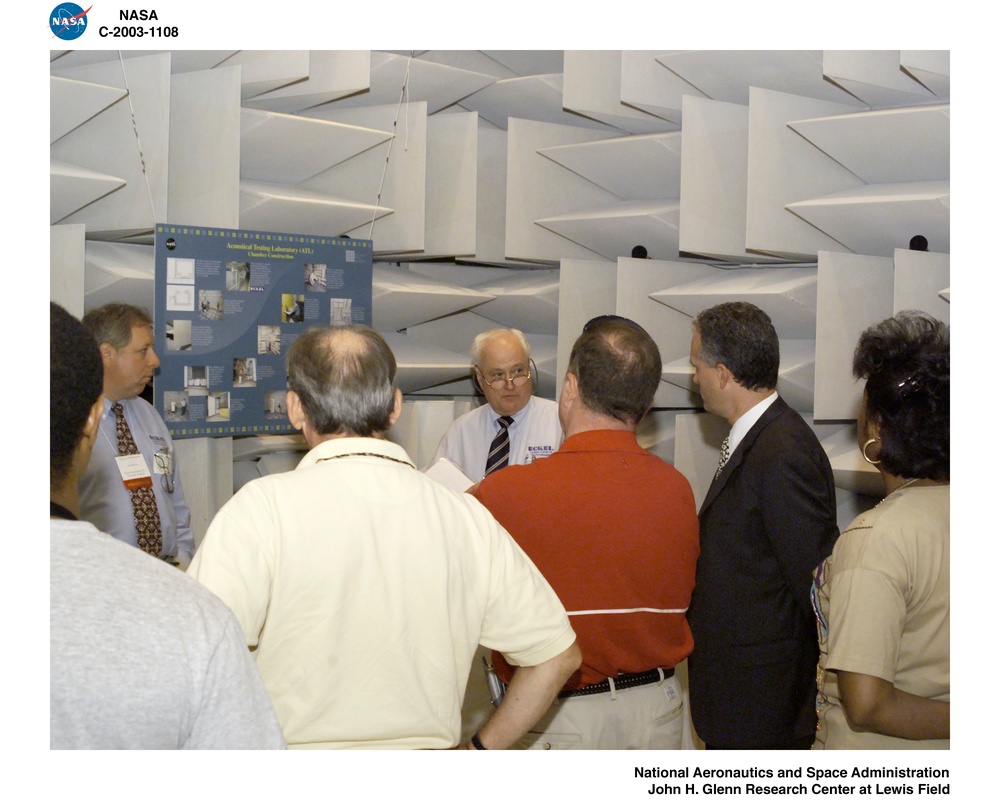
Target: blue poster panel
<point>229,304</point>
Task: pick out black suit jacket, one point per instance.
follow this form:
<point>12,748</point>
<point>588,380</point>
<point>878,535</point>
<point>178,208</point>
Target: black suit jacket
<point>766,523</point>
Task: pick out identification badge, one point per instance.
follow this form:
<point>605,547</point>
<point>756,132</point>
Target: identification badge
<point>134,471</point>
<point>536,452</point>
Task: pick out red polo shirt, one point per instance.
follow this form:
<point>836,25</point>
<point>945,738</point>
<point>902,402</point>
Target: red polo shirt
<point>614,530</point>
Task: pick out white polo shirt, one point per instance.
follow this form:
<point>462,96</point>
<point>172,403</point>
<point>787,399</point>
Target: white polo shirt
<point>366,587</point>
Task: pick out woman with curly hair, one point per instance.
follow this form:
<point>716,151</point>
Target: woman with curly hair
<point>882,597</point>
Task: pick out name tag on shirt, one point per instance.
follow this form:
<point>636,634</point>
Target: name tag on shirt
<point>536,452</point>
<point>134,471</point>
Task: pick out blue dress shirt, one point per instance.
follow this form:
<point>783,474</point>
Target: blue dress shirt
<point>104,500</point>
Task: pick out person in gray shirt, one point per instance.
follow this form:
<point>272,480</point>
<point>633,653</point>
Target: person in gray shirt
<point>141,656</point>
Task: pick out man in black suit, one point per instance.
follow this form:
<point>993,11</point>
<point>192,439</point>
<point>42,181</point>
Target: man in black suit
<point>767,521</point>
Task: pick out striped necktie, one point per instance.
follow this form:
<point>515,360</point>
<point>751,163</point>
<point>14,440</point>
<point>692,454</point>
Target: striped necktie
<point>500,447</point>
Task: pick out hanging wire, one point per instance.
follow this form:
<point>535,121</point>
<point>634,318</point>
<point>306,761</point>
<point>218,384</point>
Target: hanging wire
<point>138,142</point>
<point>404,93</point>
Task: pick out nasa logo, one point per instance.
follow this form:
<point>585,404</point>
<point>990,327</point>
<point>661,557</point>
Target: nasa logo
<point>68,21</point>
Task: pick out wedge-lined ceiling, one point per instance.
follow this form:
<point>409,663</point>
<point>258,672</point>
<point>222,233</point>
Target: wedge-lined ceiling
<point>510,187</point>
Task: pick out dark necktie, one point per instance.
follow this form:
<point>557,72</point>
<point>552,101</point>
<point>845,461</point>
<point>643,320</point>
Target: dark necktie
<point>149,536</point>
<point>500,447</point>
<point>723,456</point>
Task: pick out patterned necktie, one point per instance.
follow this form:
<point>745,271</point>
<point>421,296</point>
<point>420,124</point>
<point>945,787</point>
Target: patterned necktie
<point>500,447</point>
<point>723,456</point>
<point>149,536</point>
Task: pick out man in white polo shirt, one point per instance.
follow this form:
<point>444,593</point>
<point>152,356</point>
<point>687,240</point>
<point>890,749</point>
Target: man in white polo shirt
<point>366,586</point>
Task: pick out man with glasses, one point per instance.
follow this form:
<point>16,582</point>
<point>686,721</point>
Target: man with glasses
<point>132,489</point>
<point>614,530</point>
<point>514,426</point>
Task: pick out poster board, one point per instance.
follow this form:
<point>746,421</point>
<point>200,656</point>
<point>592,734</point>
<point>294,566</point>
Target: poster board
<point>229,305</point>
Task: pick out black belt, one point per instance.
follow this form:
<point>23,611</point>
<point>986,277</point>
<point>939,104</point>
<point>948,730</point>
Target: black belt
<point>625,680</point>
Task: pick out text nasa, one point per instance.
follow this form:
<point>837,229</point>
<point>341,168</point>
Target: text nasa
<point>130,31</point>
<point>124,15</point>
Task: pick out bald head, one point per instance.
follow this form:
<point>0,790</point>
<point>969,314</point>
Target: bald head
<point>617,369</point>
<point>344,378</point>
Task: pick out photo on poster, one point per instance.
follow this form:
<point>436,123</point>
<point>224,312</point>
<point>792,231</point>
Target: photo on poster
<point>175,406</point>
<point>238,276</point>
<point>244,372</point>
<point>218,407</point>
<point>179,298</point>
<point>180,270</point>
<point>274,405</point>
<point>293,307</point>
<point>340,311</point>
<point>178,334</point>
<point>195,380</point>
<point>210,304</point>
<point>315,278</point>
<point>269,340</point>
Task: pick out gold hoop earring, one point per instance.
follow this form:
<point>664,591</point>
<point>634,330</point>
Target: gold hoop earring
<point>864,451</point>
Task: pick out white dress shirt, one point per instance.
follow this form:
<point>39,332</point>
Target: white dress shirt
<point>535,433</point>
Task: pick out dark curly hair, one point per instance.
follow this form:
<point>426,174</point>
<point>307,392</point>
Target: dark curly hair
<point>76,380</point>
<point>906,363</point>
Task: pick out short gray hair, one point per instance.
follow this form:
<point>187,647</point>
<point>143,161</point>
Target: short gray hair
<point>113,323</point>
<point>485,338</point>
<point>345,377</point>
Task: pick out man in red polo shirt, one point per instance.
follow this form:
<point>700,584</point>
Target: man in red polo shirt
<point>614,530</point>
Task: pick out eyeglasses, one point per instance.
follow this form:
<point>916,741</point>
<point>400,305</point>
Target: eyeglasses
<point>498,380</point>
<point>165,466</point>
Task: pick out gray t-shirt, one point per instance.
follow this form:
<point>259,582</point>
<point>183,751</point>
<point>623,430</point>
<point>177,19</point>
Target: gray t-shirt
<point>143,657</point>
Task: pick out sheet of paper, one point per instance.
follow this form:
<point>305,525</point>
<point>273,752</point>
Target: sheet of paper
<point>449,474</point>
